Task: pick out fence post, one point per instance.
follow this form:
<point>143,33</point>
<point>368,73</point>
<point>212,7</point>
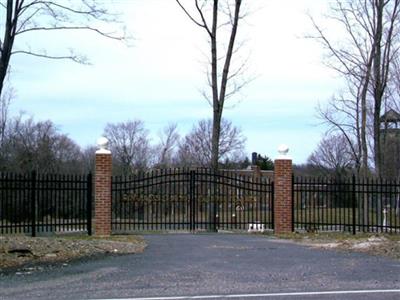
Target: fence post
<point>292,185</point>
<point>33,203</point>
<point>103,167</point>
<point>212,205</point>
<point>283,204</point>
<point>89,183</point>
<point>192,175</point>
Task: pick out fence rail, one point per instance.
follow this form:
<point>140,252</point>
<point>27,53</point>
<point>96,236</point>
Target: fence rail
<point>39,203</point>
<point>346,204</point>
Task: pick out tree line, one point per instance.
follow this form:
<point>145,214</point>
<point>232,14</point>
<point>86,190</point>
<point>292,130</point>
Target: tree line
<point>133,151</point>
<point>29,145</point>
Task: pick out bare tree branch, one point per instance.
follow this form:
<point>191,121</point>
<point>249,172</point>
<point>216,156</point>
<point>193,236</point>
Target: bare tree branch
<point>105,34</point>
<point>33,16</point>
<point>73,57</point>
<point>203,23</point>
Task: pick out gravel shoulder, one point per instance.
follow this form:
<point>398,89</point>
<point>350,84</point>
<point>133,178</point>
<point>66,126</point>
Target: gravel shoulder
<point>385,245</point>
<point>17,251</point>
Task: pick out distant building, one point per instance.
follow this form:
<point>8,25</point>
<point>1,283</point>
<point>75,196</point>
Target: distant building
<point>253,170</point>
<point>390,143</point>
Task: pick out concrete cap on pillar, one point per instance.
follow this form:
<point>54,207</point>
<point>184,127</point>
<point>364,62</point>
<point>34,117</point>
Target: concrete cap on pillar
<point>283,152</point>
<point>102,143</point>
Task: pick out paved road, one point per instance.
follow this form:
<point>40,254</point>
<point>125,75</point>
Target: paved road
<point>212,264</point>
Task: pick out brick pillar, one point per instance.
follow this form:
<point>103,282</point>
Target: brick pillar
<point>102,215</point>
<point>256,171</point>
<point>283,212</point>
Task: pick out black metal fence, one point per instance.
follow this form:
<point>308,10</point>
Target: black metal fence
<point>346,204</point>
<point>37,203</point>
<point>183,199</point>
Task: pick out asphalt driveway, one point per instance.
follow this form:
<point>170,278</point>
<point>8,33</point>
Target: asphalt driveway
<point>214,265</point>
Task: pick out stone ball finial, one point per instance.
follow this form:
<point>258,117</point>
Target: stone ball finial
<point>102,143</point>
<point>283,152</point>
<point>283,149</point>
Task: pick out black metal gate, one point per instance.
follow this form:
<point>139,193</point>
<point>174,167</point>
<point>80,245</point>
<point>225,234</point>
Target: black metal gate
<point>183,199</point>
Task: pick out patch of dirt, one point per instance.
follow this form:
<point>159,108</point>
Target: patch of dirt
<point>382,245</point>
<point>16,251</point>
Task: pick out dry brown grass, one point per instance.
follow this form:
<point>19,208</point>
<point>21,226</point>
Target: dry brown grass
<point>19,250</point>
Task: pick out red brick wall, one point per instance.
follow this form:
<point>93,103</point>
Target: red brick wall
<point>283,196</point>
<point>102,215</point>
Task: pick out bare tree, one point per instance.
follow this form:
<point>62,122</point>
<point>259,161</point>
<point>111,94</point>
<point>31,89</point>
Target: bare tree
<point>342,115</point>
<point>31,145</point>
<point>129,144</point>
<point>195,148</point>
<point>169,138</point>
<point>88,158</point>
<point>333,155</point>
<point>27,17</point>
<point>364,56</point>
<point>212,16</point>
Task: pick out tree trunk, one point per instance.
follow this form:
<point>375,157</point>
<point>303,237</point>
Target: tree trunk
<point>364,91</point>
<point>216,132</point>
<point>8,40</point>
<point>364,154</point>
<point>218,100</point>
<point>364,162</point>
<point>378,85</point>
<point>217,110</point>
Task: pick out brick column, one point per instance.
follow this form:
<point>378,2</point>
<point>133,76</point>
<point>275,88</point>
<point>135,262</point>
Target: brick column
<point>256,171</point>
<point>283,212</point>
<point>102,215</point>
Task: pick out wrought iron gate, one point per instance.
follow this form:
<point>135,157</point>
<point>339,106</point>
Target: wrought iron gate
<point>183,199</point>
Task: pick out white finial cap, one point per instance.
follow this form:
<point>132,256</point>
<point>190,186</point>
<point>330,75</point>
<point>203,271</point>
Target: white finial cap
<point>102,143</point>
<point>283,152</point>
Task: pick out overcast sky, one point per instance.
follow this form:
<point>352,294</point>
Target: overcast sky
<point>159,79</point>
